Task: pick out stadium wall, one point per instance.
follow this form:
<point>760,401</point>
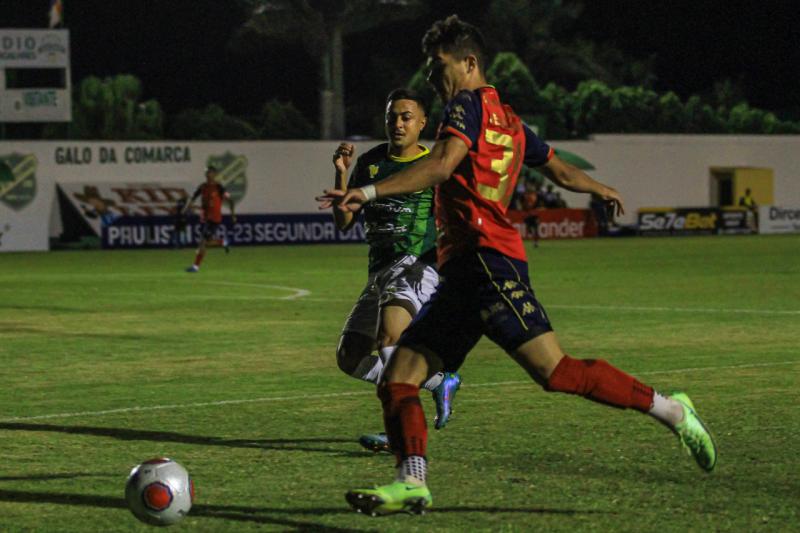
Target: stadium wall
<point>280,177</point>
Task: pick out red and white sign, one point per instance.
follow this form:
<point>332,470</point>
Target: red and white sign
<point>100,202</point>
<point>556,223</point>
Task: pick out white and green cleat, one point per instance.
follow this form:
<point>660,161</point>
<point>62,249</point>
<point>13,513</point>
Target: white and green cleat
<point>397,497</point>
<point>694,435</point>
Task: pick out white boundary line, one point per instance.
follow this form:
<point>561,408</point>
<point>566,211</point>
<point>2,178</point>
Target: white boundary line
<point>301,293</point>
<point>338,395</point>
<point>676,309</point>
<point>298,293</point>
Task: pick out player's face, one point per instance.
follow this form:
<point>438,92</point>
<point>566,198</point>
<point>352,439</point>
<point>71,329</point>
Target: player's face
<point>404,122</point>
<point>211,176</point>
<point>446,73</point>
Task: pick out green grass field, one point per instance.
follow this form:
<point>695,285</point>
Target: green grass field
<point>110,358</point>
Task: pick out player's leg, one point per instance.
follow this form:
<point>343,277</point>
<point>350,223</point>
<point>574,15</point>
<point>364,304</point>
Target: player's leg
<point>354,353</point>
<point>447,324</point>
<point>358,340</point>
<point>523,329</point>
<point>199,254</point>
<point>404,288</point>
<point>404,421</point>
<point>600,381</point>
<point>226,237</point>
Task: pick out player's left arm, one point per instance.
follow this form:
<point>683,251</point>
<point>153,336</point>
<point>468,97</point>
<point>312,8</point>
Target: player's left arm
<point>574,179</point>
<point>227,197</point>
<point>445,156</point>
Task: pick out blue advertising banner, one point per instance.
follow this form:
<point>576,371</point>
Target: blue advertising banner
<point>166,231</point>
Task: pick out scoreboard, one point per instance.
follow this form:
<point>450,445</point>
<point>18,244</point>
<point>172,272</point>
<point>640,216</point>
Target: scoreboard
<point>34,76</point>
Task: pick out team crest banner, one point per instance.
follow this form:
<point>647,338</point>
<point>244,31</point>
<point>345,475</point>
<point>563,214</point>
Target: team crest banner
<point>17,180</point>
<point>232,174</point>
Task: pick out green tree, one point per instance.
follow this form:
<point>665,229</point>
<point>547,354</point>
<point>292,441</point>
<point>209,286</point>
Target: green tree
<point>211,123</point>
<point>556,111</point>
<point>419,82</point>
<point>321,26</point>
<point>701,117</point>
<point>282,120</point>
<point>590,107</point>
<point>671,116</point>
<point>543,34</point>
<point>110,108</point>
<point>514,82</point>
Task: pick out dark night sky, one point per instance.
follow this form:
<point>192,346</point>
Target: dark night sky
<point>178,48</point>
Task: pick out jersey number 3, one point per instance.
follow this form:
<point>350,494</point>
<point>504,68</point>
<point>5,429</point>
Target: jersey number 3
<point>500,166</point>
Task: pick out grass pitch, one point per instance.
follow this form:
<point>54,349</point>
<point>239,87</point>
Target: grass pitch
<point>110,358</point>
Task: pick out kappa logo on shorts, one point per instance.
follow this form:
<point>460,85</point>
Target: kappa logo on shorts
<point>231,173</point>
<point>494,309</point>
<point>17,180</point>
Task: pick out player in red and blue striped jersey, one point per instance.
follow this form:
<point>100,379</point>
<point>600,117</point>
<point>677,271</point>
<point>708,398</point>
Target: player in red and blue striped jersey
<point>475,164</point>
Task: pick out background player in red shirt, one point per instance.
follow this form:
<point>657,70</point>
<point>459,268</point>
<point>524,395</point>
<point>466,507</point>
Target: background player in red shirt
<point>486,290</point>
<point>212,193</point>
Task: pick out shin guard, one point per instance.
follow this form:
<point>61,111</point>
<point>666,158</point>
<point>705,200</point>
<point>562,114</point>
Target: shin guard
<point>404,419</point>
<point>597,380</point>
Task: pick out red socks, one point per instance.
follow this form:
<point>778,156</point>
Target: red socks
<point>599,381</point>
<point>198,258</point>
<point>404,419</point>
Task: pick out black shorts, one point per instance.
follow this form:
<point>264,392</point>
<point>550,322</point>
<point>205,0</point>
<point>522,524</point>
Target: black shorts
<point>209,229</point>
<point>480,293</point>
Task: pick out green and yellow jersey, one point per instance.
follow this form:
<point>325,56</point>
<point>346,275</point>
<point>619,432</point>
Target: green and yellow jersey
<point>398,225</point>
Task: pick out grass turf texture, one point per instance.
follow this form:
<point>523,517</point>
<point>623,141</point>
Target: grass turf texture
<point>129,333</point>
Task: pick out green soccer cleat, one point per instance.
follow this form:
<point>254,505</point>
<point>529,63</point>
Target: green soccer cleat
<point>397,497</point>
<point>694,435</point>
<point>377,442</point>
<point>443,395</point>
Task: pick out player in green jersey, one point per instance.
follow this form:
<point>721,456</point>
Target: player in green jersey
<point>401,234</point>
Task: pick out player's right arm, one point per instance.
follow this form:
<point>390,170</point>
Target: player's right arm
<point>342,158</point>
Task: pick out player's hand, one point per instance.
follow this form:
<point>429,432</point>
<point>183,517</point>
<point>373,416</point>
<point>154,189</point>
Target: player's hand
<point>343,156</point>
<point>233,219</point>
<point>350,200</point>
<point>615,204</point>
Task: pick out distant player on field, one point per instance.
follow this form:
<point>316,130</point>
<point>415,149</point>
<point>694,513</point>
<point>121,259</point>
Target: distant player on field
<point>211,193</point>
<point>486,290</point>
<point>401,234</point>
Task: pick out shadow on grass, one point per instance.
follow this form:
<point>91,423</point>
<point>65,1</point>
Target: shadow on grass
<point>260,515</point>
<point>50,477</point>
<point>25,329</point>
<point>302,445</point>
<point>241,514</point>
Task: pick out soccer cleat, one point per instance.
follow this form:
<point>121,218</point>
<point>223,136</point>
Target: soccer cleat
<point>193,269</point>
<point>397,497</point>
<point>443,395</point>
<point>694,435</point>
<point>377,442</point>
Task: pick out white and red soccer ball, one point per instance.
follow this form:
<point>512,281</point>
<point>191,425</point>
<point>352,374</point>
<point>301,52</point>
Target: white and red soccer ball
<point>159,492</point>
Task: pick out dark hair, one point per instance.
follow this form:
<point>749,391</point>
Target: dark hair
<point>408,94</point>
<point>456,37</point>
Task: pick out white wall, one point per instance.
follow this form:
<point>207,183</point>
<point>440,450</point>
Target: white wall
<point>674,170</point>
<point>284,176</point>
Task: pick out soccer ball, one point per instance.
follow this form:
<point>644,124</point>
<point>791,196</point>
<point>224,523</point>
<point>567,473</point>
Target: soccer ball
<point>159,492</point>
